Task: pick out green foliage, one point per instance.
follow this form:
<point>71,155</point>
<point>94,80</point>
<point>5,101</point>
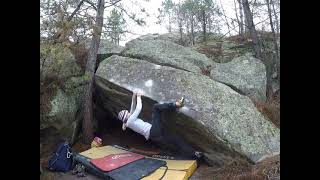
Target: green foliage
<point>55,25</point>
<point>167,6</point>
<point>189,6</point>
<point>116,26</point>
<point>71,21</point>
<point>166,12</point>
<point>195,13</point>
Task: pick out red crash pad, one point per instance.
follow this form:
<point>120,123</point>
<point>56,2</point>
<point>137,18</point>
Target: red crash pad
<point>115,161</point>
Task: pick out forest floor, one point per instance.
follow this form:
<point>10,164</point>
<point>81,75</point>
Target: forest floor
<point>267,169</point>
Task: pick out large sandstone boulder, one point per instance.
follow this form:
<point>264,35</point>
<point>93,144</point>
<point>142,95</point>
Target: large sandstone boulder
<point>107,49</point>
<point>63,105</point>
<point>61,86</point>
<point>222,50</point>
<point>176,38</point>
<point>215,119</point>
<point>245,74</point>
<point>62,113</point>
<point>173,37</point>
<point>57,60</point>
<point>167,53</point>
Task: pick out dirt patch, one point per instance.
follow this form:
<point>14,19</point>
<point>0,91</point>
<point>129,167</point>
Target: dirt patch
<point>270,109</point>
<point>265,170</point>
<point>211,51</point>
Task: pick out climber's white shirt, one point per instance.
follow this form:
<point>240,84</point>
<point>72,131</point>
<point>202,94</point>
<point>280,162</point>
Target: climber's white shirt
<point>135,123</point>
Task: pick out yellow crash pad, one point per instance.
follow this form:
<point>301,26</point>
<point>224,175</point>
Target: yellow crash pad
<point>170,175</point>
<point>177,169</point>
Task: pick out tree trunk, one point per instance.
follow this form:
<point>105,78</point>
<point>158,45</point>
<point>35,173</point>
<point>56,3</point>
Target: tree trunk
<point>277,58</point>
<point>273,32</point>
<point>204,25</point>
<point>252,29</point>
<point>192,30</point>
<point>180,24</point>
<point>246,23</point>
<point>278,31</point>
<point>180,31</point>
<point>238,21</point>
<point>241,17</point>
<point>188,29</point>
<point>169,23</point>
<point>275,16</point>
<point>209,24</point>
<point>87,125</point>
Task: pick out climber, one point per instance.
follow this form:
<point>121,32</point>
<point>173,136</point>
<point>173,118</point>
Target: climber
<point>154,131</point>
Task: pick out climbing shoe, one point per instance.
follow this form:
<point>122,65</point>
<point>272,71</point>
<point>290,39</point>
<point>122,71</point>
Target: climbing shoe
<point>201,158</point>
<point>181,101</point>
<point>79,170</point>
<point>81,174</point>
<point>76,169</point>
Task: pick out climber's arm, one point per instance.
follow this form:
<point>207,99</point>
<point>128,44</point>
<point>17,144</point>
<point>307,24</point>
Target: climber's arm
<point>137,111</point>
<point>133,102</point>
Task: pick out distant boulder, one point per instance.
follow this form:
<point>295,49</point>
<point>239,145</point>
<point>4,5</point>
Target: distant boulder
<point>245,74</point>
<point>174,37</point>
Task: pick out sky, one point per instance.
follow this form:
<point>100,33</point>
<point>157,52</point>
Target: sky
<point>151,7</point>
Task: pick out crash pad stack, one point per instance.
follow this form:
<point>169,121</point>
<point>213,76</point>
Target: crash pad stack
<point>174,169</point>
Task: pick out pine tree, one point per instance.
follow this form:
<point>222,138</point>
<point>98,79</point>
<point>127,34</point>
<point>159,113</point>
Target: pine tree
<point>115,25</point>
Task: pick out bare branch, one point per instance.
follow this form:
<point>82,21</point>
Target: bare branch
<point>75,11</point>
<point>112,4</point>
<point>244,24</point>
<point>124,11</point>
<point>92,4</point>
<point>226,20</point>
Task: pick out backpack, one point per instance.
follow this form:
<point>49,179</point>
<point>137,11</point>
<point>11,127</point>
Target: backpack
<point>62,158</point>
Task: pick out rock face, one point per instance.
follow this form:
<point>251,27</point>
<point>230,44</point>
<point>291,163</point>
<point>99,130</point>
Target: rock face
<point>215,119</point>
<point>63,101</point>
<point>167,53</point>
<point>64,106</point>
<point>173,37</point>
<point>223,51</point>
<point>107,49</point>
<point>58,61</point>
<point>176,38</point>
<point>245,74</point>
